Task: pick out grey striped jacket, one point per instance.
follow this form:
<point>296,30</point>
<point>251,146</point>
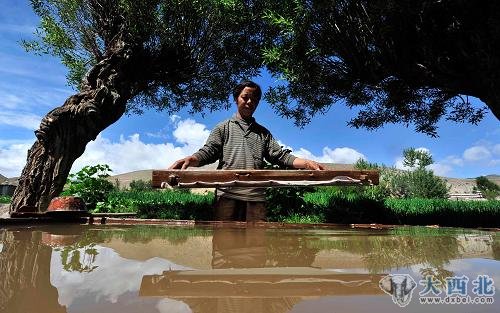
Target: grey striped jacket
<point>238,144</point>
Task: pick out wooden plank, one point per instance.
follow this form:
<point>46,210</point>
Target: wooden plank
<point>179,177</point>
<point>261,283</point>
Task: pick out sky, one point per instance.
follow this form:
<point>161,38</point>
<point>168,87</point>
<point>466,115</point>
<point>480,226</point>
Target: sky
<point>32,85</point>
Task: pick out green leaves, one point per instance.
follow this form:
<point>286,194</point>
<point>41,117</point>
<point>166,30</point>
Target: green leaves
<point>90,184</point>
<point>489,189</point>
<point>396,61</point>
<point>417,158</point>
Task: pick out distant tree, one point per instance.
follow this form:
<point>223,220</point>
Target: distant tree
<point>488,189</point>
<point>419,182</point>
<point>140,185</point>
<point>416,158</point>
<point>394,61</point>
<point>126,55</point>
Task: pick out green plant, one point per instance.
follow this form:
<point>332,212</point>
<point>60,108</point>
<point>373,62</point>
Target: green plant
<point>362,164</point>
<point>140,185</point>
<point>282,202</point>
<point>418,182</point>
<point>488,189</point>
<point>5,199</point>
<point>90,184</point>
<point>297,218</point>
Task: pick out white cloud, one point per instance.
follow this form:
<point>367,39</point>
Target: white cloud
<point>453,160</point>
<point>20,119</point>
<point>10,101</point>
<point>191,133</point>
<point>342,155</point>
<point>496,150</point>
<point>13,157</point>
<point>17,29</point>
<point>172,306</point>
<point>441,169</point>
<point>476,153</point>
<point>132,154</point>
<point>27,97</point>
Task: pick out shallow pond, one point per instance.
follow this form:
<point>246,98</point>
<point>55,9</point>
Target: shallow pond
<point>82,268</point>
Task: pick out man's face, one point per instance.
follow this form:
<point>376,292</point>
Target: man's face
<point>247,102</point>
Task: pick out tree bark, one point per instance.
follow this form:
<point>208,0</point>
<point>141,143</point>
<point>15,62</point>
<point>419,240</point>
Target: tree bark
<point>65,131</point>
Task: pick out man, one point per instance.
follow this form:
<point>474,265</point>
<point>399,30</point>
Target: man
<point>241,143</point>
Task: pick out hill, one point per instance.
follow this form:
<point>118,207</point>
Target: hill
<point>458,185</point>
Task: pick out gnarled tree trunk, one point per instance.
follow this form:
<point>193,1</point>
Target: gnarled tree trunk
<point>65,131</point>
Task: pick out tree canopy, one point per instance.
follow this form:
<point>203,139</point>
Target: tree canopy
<point>186,51</point>
<point>394,61</point>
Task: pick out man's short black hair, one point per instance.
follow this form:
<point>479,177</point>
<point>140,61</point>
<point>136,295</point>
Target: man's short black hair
<point>239,88</point>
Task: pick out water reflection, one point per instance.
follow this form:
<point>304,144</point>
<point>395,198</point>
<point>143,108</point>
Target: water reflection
<point>164,269</point>
<point>25,270</point>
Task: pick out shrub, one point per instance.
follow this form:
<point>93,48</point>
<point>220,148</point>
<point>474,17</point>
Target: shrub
<point>488,189</point>
<point>140,185</point>
<point>90,184</point>
<point>418,182</point>
<point>5,199</point>
<point>283,202</point>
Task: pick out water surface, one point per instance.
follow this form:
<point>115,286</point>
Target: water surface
<point>75,268</point>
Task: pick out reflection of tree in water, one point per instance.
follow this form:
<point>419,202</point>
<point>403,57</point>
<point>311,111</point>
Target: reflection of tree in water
<point>81,255</point>
<point>25,274</point>
<point>398,248</point>
<point>72,259</point>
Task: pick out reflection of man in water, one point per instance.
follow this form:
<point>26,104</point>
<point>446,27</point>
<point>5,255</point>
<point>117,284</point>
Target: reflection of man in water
<point>253,248</point>
<point>239,248</point>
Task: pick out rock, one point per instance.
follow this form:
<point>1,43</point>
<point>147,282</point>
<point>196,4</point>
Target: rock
<point>4,210</point>
<point>67,203</point>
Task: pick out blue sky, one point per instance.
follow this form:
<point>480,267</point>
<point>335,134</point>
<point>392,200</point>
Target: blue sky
<point>31,85</point>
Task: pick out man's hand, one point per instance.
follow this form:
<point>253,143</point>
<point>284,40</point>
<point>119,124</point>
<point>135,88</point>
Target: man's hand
<point>307,164</point>
<point>183,164</point>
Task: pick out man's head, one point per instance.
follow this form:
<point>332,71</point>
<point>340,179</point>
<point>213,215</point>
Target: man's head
<point>250,84</point>
<point>247,96</point>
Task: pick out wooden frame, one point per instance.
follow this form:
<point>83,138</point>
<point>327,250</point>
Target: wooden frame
<point>261,178</point>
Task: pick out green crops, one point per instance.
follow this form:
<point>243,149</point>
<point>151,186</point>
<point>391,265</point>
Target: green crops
<point>333,205</point>
<point>444,212</point>
<point>159,204</point>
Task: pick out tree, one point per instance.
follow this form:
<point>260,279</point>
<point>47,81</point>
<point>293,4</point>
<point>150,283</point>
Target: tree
<point>418,182</point>
<point>126,55</point>
<point>488,188</point>
<point>395,61</point>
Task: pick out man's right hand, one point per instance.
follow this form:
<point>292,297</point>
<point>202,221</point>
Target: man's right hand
<point>183,164</point>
